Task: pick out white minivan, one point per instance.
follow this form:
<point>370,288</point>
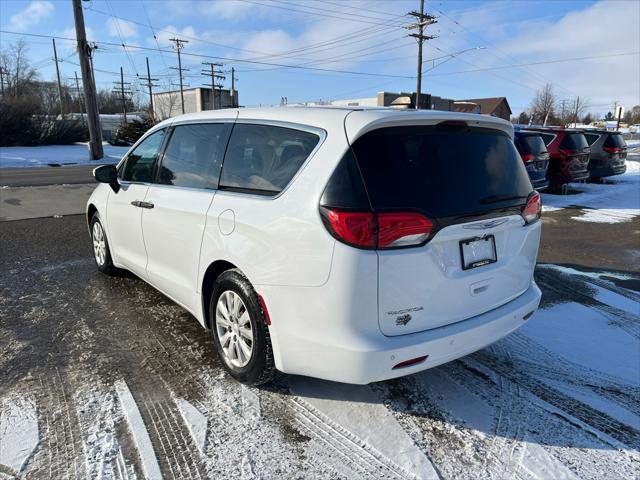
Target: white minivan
<point>348,244</point>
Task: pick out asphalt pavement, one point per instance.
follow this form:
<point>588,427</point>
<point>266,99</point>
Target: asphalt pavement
<point>38,176</point>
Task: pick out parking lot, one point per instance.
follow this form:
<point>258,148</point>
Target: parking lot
<point>107,378</point>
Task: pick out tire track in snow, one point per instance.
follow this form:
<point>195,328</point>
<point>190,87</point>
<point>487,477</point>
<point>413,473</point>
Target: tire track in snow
<point>623,433</point>
<point>566,288</point>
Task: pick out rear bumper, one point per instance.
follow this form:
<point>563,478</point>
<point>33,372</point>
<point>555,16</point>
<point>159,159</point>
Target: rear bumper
<point>607,171</point>
<point>369,358</point>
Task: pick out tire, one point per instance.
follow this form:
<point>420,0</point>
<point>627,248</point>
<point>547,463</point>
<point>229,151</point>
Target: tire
<point>100,246</point>
<point>246,355</point>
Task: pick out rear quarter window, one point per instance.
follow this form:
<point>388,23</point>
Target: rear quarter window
<point>264,158</point>
<point>591,138</point>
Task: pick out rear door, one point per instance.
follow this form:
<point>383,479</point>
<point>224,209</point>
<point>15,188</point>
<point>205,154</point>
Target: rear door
<point>123,208</point>
<point>471,183</point>
<point>174,225</point>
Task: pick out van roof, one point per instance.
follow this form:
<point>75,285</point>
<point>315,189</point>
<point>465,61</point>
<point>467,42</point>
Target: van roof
<point>331,117</point>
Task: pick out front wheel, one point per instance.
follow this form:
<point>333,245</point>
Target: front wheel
<point>101,252</point>
<point>240,332</point>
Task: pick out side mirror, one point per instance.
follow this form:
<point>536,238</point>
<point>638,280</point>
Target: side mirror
<point>107,174</point>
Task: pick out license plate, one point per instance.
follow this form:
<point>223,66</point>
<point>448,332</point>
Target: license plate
<point>479,251</point>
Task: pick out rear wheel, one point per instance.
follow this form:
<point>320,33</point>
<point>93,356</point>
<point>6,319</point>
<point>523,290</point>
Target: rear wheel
<point>101,252</point>
<point>240,332</point>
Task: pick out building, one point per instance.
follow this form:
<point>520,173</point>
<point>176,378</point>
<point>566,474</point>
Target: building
<point>198,99</point>
<point>386,99</point>
<point>497,106</point>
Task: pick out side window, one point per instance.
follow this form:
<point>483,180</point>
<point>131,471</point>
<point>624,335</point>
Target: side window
<point>194,154</point>
<point>263,158</point>
<point>548,138</point>
<point>140,162</point>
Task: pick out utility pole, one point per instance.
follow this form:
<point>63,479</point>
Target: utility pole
<point>423,21</point>
<point>55,57</point>
<point>2,72</point>
<point>234,98</point>
<point>150,86</point>
<point>79,93</point>
<point>575,118</point>
<point>213,76</point>
<point>122,93</point>
<point>179,45</point>
<point>562,103</point>
<point>88,82</point>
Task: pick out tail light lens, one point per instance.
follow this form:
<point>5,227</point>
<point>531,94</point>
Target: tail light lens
<point>611,149</point>
<point>402,229</point>
<point>528,157</point>
<point>533,209</point>
<point>355,228</point>
<point>568,152</point>
<point>377,230</point>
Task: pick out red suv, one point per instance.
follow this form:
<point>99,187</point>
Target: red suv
<point>568,154</point>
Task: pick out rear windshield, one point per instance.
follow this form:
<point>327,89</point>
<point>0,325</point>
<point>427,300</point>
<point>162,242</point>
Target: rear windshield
<point>615,141</point>
<point>441,171</point>
<point>574,141</point>
<point>532,144</point>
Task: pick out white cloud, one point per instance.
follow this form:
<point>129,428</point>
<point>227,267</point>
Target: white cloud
<point>121,28</point>
<point>601,29</point>
<point>32,14</point>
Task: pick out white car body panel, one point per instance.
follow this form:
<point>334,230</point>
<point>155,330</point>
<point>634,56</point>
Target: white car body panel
<point>327,301</point>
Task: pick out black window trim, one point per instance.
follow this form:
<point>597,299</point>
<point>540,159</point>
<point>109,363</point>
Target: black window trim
<point>267,194</point>
<point>125,159</point>
<point>163,151</point>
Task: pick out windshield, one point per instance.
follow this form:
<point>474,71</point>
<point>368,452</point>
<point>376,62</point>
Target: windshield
<point>441,171</point>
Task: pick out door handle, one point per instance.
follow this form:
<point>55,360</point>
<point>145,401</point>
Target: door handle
<point>138,203</point>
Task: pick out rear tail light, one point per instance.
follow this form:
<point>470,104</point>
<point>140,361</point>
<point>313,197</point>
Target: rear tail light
<point>567,152</point>
<point>533,209</point>
<point>528,157</point>
<point>611,149</point>
<point>377,230</point>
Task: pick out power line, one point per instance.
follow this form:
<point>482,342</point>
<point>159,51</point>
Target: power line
<point>560,60</point>
<point>225,59</point>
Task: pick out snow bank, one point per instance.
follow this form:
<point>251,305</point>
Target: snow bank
<point>56,155</point>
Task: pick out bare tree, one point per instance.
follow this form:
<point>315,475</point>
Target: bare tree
<point>544,103</point>
<point>20,77</point>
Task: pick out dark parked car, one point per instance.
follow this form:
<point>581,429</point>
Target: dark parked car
<point>608,153</point>
<point>534,154</point>
<point>568,155</point>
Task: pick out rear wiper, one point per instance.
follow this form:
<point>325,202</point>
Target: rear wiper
<point>501,198</point>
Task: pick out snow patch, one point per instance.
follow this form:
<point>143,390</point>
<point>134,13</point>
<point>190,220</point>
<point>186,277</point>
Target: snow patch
<point>586,337</point>
<point>196,423</point>
<point>359,410</point>
<point>45,155</point>
<point>138,431</point>
<point>613,202</point>
<point>19,434</point>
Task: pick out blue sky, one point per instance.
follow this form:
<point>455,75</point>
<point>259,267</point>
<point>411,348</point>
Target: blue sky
<point>352,36</point>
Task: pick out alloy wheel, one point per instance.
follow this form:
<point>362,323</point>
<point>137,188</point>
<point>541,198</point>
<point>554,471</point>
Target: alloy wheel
<point>233,326</point>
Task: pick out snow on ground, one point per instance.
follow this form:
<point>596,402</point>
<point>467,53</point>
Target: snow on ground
<point>19,434</point>
<point>616,201</point>
<point>56,155</point>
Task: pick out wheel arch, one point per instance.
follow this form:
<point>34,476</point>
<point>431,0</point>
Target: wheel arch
<point>91,211</point>
<point>212,273</point>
